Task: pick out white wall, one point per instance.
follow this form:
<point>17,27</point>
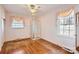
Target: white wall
<point>2,12</point>
<point>13,34</point>
<point>48,29</point>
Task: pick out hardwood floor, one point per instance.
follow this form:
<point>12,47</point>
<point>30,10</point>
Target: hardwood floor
<point>30,46</point>
<point>55,49</point>
<point>77,49</point>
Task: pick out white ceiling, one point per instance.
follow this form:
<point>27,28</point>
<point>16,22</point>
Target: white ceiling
<point>21,9</point>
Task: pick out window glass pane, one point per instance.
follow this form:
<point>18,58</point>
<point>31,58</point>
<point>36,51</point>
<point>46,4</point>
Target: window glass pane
<point>17,24</point>
<point>66,30</point>
<point>72,30</point>
<point>66,25</point>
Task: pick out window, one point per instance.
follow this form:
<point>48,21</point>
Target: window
<point>66,25</point>
<point>17,24</point>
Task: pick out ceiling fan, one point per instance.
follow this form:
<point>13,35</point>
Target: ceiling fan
<point>32,7</point>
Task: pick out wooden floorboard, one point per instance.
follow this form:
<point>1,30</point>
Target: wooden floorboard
<point>77,49</point>
<point>39,46</point>
<point>55,49</point>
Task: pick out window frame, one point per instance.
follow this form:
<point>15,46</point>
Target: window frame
<point>64,29</point>
<point>17,23</point>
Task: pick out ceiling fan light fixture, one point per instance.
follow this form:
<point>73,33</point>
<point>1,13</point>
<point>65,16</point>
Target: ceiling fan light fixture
<point>33,8</point>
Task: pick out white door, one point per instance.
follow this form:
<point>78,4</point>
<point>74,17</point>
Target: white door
<point>36,33</point>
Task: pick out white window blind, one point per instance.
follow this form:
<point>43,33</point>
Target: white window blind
<point>17,24</point>
<point>66,25</point>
